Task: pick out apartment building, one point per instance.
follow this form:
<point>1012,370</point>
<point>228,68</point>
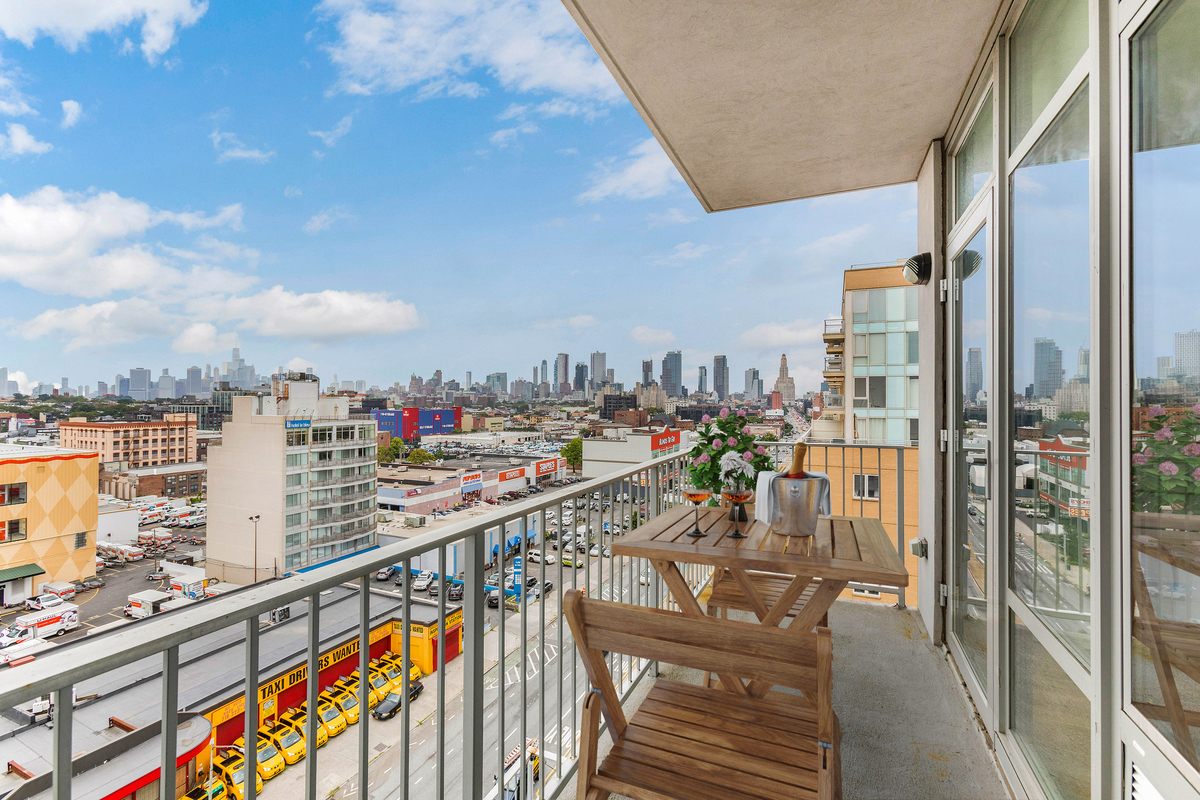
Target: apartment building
<point>48,502</point>
<point>292,484</point>
<point>171,440</point>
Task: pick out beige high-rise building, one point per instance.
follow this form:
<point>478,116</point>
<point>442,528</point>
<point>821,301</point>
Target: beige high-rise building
<point>291,485</point>
<point>785,384</point>
<point>171,440</point>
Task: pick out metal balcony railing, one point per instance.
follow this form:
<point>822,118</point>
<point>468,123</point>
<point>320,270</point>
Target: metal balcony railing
<point>833,363</point>
<point>539,701</point>
<point>834,401</point>
<point>834,326</point>
<point>340,499</point>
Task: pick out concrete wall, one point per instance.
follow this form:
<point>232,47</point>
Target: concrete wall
<point>116,525</point>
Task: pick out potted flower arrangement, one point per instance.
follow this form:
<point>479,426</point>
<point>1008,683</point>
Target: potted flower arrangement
<point>725,452</point>
<point>1166,467</point>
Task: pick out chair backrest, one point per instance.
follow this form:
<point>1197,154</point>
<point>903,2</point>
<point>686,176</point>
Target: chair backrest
<point>796,659</point>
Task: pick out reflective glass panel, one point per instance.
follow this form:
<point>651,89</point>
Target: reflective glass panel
<point>1165,457</point>
<point>971,545</point>
<point>1050,38</point>
<point>1051,718</point>
<point>1051,355</point>
<point>973,164</point>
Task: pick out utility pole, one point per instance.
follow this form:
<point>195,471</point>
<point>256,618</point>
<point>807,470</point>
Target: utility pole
<point>255,519</point>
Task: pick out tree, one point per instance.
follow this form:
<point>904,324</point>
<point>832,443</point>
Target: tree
<point>420,456</point>
<point>769,437</point>
<point>573,453</point>
<point>393,452</point>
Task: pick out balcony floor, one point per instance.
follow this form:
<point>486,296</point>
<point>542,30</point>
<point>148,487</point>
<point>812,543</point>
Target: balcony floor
<point>908,732</point>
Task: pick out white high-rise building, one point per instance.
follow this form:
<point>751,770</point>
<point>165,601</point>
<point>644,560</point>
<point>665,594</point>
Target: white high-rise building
<point>139,384</point>
<point>599,372</point>
<point>296,462</point>
<point>1187,353</point>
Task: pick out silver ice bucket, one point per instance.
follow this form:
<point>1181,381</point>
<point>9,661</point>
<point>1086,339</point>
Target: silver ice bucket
<point>797,505</point>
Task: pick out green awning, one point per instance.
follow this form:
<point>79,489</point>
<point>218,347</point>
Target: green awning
<point>23,571</point>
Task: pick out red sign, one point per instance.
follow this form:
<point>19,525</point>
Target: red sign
<point>665,440</point>
<point>512,475</point>
<point>546,467</point>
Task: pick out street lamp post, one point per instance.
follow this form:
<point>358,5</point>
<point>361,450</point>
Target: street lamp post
<point>255,519</point>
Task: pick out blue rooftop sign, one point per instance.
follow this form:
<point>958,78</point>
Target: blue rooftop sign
<point>297,423</point>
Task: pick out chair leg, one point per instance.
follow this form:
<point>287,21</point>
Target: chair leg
<point>589,734</point>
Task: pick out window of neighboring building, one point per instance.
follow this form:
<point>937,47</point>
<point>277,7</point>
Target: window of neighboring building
<point>12,531</point>
<point>12,493</point>
<point>297,438</point>
<point>297,459</point>
<point>866,487</point>
<point>295,539</point>
<point>297,479</point>
<point>296,499</point>
<point>345,433</point>
<point>292,520</point>
<point>322,435</point>
<point>81,540</point>
<point>295,559</point>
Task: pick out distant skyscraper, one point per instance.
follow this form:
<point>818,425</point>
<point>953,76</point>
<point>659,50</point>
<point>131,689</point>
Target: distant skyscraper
<point>1187,353</point>
<point>139,384</point>
<point>468,379</point>
<point>361,386</point>
<point>194,385</point>
<point>123,386</point>
<point>785,384</point>
<point>599,370</point>
<point>581,376</point>
<point>702,382</point>
<point>974,376</point>
<point>647,373</point>
<point>1166,366</point>
<point>672,373</point>
<point>751,377</point>
<point>497,382</point>
<point>1047,367</point>
<point>166,386</point>
<point>66,384</point>
<point>610,375</point>
<point>101,388</point>
<point>562,372</point>
<point>721,377</point>
<point>4,380</point>
<point>545,376</point>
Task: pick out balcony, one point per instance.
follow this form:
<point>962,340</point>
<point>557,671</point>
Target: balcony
<point>908,730</point>
<point>833,367</point>
<point>340,499</point>
<point>834,332</point>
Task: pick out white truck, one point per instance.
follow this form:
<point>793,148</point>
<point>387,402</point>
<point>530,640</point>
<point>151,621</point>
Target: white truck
<point>144,604</point>
<point>128,552</point>
<point>28,647</point>
<point>41,624</point>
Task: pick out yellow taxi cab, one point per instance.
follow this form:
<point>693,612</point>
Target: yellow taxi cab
<point>379,686</point>
<point>270,762</point>
<point>297,720</point>
<point>345,703</point>
<point>349,685</point>
<point>414,672</point>
<point>214,791</point>
<point>395,677</point>
<point>231,771</point>
<point>287,740</point>
<point>332,718</point>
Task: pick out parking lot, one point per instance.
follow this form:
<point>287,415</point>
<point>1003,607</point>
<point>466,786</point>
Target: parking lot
<point>104,605</point>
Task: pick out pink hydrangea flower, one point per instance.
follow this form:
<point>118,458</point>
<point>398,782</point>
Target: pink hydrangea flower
<point>1168,468</point>
<point>717,444</point>
<point>741,412</point>
<point>1155,411</point>
<point>746,430</point>
<point>704,459</point>
<point>724,413</point>
<point>747,456</point>
<point>731,441</point>
<point>1196,474</point>
<point>1196,408</point>
<point>1139,459</point>
<point>706,418</point>
<point>1162,434</point>
<point>696,461</point>
<point>1192,450</point>
<point>762,451</point>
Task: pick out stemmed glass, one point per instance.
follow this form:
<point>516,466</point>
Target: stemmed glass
<point>737,495</point>
<point>697,494</point>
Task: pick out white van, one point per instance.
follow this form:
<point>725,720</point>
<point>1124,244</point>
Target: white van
<point>41,624</point>
<point>19,650</point>
<point>143,604</point>
<point>60,588</point>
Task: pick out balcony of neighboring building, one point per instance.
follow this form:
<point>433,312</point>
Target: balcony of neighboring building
<point>834,368</point>
<point>834,334</point>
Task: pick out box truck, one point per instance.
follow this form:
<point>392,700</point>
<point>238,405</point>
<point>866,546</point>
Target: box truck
<point>144,604</point>
<point>41,624</point>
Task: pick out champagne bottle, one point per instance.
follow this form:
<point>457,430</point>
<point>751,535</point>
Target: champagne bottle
<point>796,470</point>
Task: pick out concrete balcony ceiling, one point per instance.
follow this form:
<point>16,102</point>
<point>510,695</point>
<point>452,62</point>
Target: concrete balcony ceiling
<point>760,101</point>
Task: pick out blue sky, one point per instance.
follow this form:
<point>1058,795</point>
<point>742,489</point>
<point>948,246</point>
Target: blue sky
<point>377,189</point>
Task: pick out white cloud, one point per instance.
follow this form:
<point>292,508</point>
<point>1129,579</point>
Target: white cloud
<point>651,337</point>
<point>107,322</point>
<point>230,148</point>
<point>525,45</point>
<point>580,321</point>
<point>202,337</point>
<point>646,173</point>
<point>300,364</point>
<point>24,385</point>
<point>292,191</point>
<point>72,111</point>
<point>20,142</point>
<point>330,137</point>
<point>83,244</point>
<point>13,102</point>
<point>327,316</point>
<point>774,335</point>
<point>514,111</point>
<point>672,216</point>
<point>1048,315</point>
<point>70,24</point>
<point>503,137</point>
<point>322,220</point>
<point>686,251</point>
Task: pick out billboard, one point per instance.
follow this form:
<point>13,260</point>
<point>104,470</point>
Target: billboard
<point>471,481</point>
<point>667,441</point>
<point>545,467</point>
<point>297,423</point>
<point>512,474</point>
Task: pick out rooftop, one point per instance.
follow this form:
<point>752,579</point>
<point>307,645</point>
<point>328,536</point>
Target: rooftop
<point>20,451</point>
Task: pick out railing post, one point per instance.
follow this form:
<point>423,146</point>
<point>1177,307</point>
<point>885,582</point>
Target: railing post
<point>250,716</point>
<point>170,721</point>
<point>312,686</point>
<point>443,590</point>
<point>473,599</point>
<point>900,453</point>
<point>63,709</point>
<point>364,686</point>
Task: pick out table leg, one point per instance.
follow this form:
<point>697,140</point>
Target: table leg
<point>690,608</point>
<point>817,607</point>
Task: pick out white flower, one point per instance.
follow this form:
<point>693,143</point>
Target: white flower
<point>733,467</point>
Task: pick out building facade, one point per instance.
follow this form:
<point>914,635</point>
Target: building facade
<point>672,373</point>
<point>292,484</point>
<point>720,377</point>
<point>171,440</point>
<point>785,384</point>
<point>48,512</point>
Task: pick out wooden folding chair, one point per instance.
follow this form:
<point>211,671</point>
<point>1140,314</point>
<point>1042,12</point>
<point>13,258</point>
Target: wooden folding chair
<point>689,742</point>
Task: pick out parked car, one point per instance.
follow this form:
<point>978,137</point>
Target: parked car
<point>537,556</point>
<point>423,580</point>
<point>43,602</point>
<point>492,581</point>
<point>398,578</point>
<point>391,704</point>
<point>455,592</point>
<point>93,582</point>
<point>157,575</point>
<point>434,588</point>
<point>385,573</point>
<point>493,599</point>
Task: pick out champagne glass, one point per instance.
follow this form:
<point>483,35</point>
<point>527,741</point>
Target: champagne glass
<point>737,495</point>
<point>697,494</point>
